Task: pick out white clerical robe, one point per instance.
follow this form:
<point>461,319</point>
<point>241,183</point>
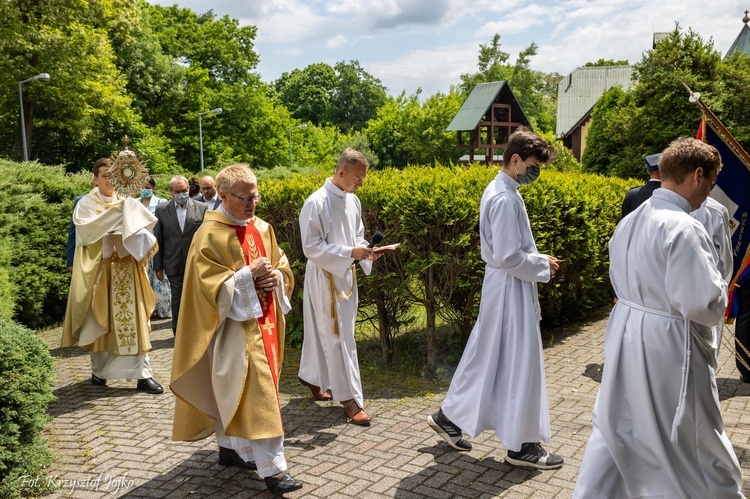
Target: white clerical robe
<point>331,225</point>
<point>499,383</point>
<point>657,425</point>
<point>715,219</point>
<point>110,227</point>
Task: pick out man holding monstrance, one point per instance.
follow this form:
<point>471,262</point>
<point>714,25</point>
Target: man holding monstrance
<point>110,300</point>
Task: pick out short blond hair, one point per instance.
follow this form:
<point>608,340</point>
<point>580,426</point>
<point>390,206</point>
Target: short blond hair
<point>239,172</point>
<point>350,157</point>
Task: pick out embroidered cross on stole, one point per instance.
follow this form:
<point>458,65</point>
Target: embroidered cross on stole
<point>253,248</point>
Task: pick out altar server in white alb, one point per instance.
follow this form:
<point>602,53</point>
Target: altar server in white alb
<point>333,242</point>
<point>499,384</point>
<point>715,219</point>
<point>657,425</point>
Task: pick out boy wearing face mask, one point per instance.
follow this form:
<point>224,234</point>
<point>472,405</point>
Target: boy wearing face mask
<point>177,222</point>
<point>499,383</point>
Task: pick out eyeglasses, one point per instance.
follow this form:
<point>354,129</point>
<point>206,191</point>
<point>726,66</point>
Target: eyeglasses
<point>247,199</point>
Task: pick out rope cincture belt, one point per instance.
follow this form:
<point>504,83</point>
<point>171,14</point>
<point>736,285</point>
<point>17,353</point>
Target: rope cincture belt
<point>335,292</point>
<point>685,362</point>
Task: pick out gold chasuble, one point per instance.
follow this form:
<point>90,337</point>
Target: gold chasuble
<point>225,370</point>
<point>110,300</point>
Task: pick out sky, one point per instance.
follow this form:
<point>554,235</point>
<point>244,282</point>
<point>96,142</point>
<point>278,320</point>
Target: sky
<point>428,44</point>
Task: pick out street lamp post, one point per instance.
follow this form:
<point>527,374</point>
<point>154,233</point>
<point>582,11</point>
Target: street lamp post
<point>290,142</point>
<point>218,110</point>
<point>40,76</point>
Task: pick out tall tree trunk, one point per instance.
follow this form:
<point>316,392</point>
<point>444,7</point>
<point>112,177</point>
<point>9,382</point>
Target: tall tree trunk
<point>430,330</point>
<point>384,323</point>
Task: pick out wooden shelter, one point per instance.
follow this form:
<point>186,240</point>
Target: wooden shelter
<point>485,121</point>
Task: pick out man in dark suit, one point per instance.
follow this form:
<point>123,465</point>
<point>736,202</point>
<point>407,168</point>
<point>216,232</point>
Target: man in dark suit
<point>177,222</point>
<point>638,195</point>
<point>208,193</point>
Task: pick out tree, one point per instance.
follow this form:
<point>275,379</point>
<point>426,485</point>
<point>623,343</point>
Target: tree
<point>217,44</point>
<point>492,65</point>
<point>84,109</point>
<point>309,93</point>
<point>344,95</point>
<point>535,91</point>
<point>357,97</point>
<point>733,99</point>
<point>215,60</point>
<point>606,62</point>
<point>627,126</point>
<point>609,136</point>
<point>406,131</point>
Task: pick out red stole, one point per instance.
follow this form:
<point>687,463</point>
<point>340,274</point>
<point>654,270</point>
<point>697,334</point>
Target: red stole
<point>253,248</point>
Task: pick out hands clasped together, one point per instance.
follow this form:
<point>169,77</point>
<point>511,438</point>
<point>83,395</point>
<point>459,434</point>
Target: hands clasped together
<point>264,275</point>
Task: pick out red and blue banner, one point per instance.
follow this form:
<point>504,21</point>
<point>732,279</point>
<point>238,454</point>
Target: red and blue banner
<point>732,189</point>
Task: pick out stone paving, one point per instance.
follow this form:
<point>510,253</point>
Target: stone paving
<point>115,442</point>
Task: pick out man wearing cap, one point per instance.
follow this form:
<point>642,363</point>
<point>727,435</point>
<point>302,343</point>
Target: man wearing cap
<point>638,195</point>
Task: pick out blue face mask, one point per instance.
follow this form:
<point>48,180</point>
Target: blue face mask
<point>146,193</point>
<point>181,198</point>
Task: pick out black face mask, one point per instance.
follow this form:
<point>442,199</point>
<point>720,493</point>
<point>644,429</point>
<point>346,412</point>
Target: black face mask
<point>532,173</point>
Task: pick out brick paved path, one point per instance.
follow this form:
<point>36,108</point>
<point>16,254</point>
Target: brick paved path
<point>115,442</point>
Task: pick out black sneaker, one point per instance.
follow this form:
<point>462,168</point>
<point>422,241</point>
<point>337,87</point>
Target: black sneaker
<point>533,455</point>
<point>97,381</point>
<point>449,431</point>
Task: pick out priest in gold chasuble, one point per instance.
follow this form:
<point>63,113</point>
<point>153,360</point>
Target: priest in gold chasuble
<point>110,300</point>
<point>230,334</point>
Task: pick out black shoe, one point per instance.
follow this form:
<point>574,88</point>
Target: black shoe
<point>229,457</point>
<point>97,381</point>
<point>743,378</point>
<point>281,486</point>
<point>149,385</point>
<point>533,455</point>
<point>449,431</point>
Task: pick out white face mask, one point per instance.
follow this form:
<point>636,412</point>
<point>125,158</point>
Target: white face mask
<point>181,198</point>
<point>531,174</point>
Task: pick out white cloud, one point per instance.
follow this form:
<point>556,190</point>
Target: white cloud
<point>431,69</point>
<point>336,41</point>
<point>429,43</point>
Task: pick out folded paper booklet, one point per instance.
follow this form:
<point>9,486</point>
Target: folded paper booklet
<point>386,249</point>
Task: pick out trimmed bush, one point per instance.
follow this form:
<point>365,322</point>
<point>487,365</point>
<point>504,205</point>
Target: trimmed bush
<point>35,211</point>
<point>434,213</point>
<point>25,390</point>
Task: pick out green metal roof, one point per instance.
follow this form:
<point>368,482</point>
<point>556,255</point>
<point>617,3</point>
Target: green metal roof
<point>476,105</point>
<point>578,92</point>
<point>741,43</point>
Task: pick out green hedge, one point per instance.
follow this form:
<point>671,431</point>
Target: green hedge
<point>434,213</point>
<point>35,210</point>
<point>25,390</point>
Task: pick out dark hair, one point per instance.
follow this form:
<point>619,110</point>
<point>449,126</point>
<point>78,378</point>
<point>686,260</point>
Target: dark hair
<point>526,144</point>
<point>101,163</point>
<point>195,186</point>
<point>684,156</point>
<point>151,182</point>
